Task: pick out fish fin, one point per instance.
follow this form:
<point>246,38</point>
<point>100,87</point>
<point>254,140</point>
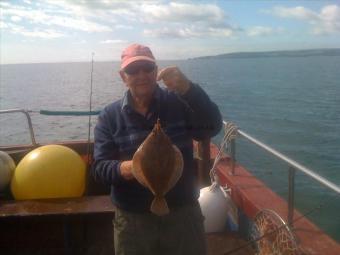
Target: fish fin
<point>159,206</point>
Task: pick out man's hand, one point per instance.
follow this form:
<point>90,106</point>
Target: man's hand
<point>126,170</point>
<point>174,79</point>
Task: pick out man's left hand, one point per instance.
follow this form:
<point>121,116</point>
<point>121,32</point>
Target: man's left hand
<point>174,79</point>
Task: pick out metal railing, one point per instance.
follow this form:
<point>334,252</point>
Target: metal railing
<point>29,121</point>
<point>293,167</point>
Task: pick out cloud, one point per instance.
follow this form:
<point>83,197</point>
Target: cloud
<point>183,12</point>
<point>4,5</point>
<point>101,9</point>
<point>185,20</point>
<point>298,12</point>
<point>208,19</point>
<point>97,4</point>
<point>42,17</point>
<point>16,18</point>
<point>168,33</point>
<point>40,33</point>
<point>327,21</point>
<point>46,34</point>
<point>3,25</point>
<point>123,27</point>
<point>155,18</point>
<point>188,32</point>
<point>113,41</point>
<point>262,31</point>
<point>330,17</point>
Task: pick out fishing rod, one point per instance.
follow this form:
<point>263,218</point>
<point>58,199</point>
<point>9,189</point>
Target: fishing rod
<point>89,152</point>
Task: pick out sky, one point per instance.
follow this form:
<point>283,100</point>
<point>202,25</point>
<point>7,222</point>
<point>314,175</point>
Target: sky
<point>46,31</point>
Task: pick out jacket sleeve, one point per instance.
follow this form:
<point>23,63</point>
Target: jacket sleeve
<point>203,116</point>
<point>106,164</point>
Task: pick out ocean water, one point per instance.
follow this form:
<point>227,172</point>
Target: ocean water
<point>291,104</point>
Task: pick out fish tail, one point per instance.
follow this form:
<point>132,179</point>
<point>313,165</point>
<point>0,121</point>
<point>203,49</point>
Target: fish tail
<point>159,206</point>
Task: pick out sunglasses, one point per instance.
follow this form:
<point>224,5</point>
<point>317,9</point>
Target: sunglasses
<point>146,67</point>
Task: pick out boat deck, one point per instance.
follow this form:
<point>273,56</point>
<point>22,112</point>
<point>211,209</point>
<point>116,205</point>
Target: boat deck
<point>227,243</point>
<point>76,226</point>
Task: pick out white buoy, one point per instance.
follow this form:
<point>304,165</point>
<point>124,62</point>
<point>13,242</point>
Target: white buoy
<point>7,167</point>
<point>217,209</point>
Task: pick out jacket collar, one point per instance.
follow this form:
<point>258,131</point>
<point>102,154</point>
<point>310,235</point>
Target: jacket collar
<point>127,104</point>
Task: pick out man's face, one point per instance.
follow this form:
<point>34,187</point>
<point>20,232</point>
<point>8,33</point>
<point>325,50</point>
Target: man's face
<point>140,77</point>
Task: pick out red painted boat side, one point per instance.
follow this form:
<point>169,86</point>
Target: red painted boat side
<point>251,195</point>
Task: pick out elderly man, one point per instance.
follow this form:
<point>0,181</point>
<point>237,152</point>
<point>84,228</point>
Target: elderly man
<point>186,113</point>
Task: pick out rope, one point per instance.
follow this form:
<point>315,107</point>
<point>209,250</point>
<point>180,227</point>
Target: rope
<point>230,133</point>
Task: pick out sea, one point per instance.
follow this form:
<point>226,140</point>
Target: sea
<point>289,103</point>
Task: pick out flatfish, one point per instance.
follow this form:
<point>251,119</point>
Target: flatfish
<point>158,164</point>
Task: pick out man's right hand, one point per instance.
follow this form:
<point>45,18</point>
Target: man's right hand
<point>126,170</point>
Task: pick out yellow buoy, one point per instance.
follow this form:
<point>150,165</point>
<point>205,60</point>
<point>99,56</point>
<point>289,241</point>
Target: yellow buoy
<point>7,167</point>
<point>51,171</point>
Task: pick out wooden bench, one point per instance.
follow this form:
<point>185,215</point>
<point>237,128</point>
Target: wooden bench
<point>57,226</point>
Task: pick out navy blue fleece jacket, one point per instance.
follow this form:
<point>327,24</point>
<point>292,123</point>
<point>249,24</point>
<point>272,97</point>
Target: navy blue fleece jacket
<point>120,130</point>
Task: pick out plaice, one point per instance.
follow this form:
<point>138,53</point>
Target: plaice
<point>158,164</point>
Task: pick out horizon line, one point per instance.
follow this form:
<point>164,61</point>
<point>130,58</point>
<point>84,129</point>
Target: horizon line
<point>180,59</point>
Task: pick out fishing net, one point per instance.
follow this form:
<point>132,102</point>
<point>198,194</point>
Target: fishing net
<point>272,235</point>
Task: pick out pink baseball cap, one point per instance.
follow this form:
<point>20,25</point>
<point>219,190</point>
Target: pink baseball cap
<point>136,52</point>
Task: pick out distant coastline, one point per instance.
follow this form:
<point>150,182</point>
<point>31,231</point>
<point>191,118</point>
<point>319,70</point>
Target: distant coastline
<point>270,54</point>
<point>253,54</point>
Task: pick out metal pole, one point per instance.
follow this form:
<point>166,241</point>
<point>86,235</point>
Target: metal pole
<point>29,121</point>
<point>30,127</point>
<point>293,163</point>
<point>291,194</point>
